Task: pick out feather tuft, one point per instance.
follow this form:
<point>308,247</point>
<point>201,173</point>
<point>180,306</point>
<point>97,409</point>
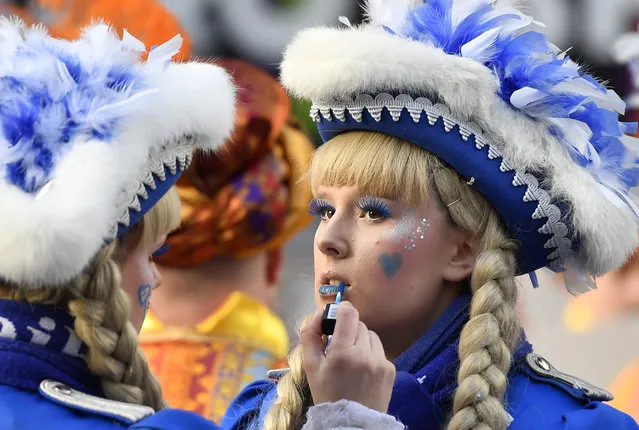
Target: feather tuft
<point>52,90</point>
<point>535,77</point>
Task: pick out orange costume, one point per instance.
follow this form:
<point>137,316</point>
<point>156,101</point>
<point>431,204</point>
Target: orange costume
<point>203,368</point>
<point>625,388</point>
<point>243,200</point>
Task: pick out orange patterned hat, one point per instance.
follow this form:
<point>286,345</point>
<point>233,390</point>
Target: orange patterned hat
<point>247,198</point>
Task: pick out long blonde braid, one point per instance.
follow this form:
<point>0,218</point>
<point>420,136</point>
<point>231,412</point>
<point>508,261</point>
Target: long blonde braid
<point>488,338</point>
<point>101,312</point>
<point>100,308</point>
<point>492,332</point>
<point>288,411</point>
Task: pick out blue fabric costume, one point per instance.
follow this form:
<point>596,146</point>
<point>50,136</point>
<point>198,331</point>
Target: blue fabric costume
<point>37,344</point>
<point>427,377</point>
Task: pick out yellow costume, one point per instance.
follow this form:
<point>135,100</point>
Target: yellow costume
<point>203,368</point>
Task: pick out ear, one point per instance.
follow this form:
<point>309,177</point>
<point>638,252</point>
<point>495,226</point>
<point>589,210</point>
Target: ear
<point>274,259</point>
<point>462,259</point>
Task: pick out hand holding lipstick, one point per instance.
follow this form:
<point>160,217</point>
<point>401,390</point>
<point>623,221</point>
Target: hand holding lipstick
<point>354,368</point>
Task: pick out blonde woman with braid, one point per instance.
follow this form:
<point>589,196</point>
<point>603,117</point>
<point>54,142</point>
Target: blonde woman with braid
<point>461,149</point>
<point>92,141</point>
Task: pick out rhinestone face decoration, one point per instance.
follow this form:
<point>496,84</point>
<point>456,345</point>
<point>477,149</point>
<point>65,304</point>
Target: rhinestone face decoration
<point>417,234</point>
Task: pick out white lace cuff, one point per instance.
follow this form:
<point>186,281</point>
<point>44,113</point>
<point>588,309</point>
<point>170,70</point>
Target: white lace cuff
<point>348,415</point>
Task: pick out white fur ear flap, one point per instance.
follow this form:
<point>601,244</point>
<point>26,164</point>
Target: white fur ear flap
<point>49,237</point>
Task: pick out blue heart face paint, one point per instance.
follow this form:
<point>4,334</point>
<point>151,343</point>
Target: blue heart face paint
<point>390,264</point>
<point>144,297</point>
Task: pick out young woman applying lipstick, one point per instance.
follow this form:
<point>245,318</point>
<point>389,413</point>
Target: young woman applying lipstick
<point>461,149</point>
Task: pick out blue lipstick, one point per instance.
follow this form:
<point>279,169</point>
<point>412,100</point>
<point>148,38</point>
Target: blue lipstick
<point>332,289</point>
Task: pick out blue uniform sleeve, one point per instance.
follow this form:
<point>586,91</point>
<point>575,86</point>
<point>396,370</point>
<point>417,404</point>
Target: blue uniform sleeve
<point>539,401</point>
<point>249,408</point>
<point>174,419</point>
<point>592,416</point>
<point>597,415</point>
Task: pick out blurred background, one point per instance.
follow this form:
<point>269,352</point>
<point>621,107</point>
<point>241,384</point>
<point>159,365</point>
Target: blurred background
<point>565,330</point>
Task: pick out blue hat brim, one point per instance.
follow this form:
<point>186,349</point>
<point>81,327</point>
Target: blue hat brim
<point>154,195</point>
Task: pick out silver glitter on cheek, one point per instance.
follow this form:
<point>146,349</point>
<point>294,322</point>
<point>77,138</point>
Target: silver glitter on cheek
<point>402,229</point>
<point>424,224</point>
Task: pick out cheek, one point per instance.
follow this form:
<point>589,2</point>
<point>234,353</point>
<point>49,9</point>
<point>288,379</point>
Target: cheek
<point>140,272</point>
<point>399,247</point>
<point>137,272</point>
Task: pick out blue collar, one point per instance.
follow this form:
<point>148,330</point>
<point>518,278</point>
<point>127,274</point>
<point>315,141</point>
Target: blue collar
<point>38,342</point>
<point>427,370</point>
<point>440,335</point>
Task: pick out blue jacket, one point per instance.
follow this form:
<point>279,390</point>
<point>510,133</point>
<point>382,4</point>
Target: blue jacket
<point>539,396</point>
<point>45,384</point>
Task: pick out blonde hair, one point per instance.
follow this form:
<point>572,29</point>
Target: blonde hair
<point>100,308</point>
<point>389,167</point>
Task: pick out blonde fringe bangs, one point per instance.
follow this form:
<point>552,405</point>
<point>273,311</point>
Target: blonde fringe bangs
<point>394,169</point>
<point>161,219</point>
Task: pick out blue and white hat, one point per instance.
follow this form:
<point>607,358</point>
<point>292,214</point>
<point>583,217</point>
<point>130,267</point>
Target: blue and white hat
<point>91,138</point>
<point>473,83</point>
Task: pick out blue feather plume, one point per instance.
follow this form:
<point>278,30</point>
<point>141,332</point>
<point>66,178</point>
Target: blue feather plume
<point>536,80</point>
<point>53,91</point>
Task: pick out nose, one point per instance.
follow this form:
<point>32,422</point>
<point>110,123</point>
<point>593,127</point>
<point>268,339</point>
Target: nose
<point>331,238</point>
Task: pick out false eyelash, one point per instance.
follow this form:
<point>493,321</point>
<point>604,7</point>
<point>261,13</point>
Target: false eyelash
<point>162,250</point>
<point>316,207</point>
<point>369,203</point>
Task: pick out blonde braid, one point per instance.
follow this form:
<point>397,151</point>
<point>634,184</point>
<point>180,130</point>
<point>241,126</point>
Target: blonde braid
<point>100,308</point>
<point>288,411</point>
<point>101,312</point>
<point>488,339</point>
